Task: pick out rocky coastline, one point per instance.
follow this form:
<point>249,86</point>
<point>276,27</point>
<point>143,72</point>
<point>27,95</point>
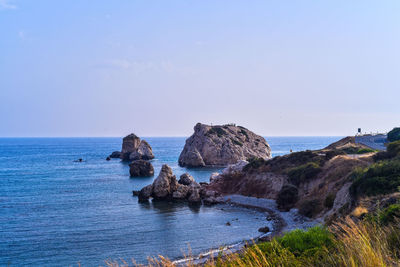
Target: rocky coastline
<point>298,190</point>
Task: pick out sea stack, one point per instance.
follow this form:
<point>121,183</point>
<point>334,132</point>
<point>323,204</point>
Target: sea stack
<point>133,148</point>
<point>222,145</point>
<point>166,187</point>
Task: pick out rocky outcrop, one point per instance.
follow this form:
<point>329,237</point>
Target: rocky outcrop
<point>143,152</point>
<point>145,193</point>
<point>115,155</point>
<point>222,145</point>
<point>141,168</point>
<point>186,179</point>
<point>316,181</point>
<point>165,184</point>
<point>133,148</point>
<point>166,187</point>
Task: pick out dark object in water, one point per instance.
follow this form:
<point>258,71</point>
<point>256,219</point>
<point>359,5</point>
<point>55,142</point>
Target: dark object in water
<point>228,224</point>
<point>264,229</point>
<point>79,160</point>
<point>108,158</point>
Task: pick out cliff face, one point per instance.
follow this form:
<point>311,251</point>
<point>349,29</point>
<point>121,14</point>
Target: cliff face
<point>221,146</point>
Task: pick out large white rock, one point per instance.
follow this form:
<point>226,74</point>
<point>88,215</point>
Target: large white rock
<point>221,146</point>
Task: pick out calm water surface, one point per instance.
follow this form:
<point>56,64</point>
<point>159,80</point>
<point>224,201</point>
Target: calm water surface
<point>56,212</point>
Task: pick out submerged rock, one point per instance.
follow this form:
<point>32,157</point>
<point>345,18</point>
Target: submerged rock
<point>222,145</point>
<point>115,155</point>
<point>264,229</point>
<point>141,168</point>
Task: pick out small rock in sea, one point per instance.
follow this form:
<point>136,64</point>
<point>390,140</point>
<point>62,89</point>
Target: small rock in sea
<point>108,158</point>
<point>136,192</point>
<point>115,155</point>
<point>264,229</point>
<point>228,224</point>
<point>141,168</point>
<point>269,218</point>
<point>78,160</point>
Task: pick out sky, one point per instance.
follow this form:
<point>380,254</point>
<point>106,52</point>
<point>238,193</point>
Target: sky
<point>156,68</point>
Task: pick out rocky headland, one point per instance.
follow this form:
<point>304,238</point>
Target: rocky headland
<point>222,145</point>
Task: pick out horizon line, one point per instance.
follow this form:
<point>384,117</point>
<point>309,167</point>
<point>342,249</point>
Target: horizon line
<point>166,136</point>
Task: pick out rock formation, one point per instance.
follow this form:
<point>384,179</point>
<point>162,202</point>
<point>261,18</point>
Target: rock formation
<point>115,155</point>
<point>133,148</point>
<point>186,179</point>
<point>165,184</point>
<point>166,187</point>
<point>222,145</point>
<point>141,168</point>
<point>315,182</point>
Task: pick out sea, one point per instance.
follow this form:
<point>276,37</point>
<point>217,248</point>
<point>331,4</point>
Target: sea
<point>55,211</point>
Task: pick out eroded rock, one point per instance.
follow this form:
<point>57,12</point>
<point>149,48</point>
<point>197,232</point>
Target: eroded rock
<point>221,146</point>
<point>165,184</point>
<point>141,168</point>
<point>186,179</point>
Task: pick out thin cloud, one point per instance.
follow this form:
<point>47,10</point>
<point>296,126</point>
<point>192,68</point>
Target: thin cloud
<point>6,4</point>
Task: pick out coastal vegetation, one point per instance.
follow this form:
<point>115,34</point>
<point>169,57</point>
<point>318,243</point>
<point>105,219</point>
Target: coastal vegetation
<point>394,135</point>
<point>380,178</point>
<point>346,243</point>
<point>304,172</point>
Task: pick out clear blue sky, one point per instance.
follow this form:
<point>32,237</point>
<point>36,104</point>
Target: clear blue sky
<point>108,68</point>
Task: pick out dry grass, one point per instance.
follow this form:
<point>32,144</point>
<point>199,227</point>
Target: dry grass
<point>354,244</point>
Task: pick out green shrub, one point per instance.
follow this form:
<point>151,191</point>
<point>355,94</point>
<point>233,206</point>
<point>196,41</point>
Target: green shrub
<point>380,178</point>
<point>329,200</point>
<point>304,173</point>
<point>242,131</point>
<point>350,150</point>
<point>287,197</point>
<point>394,135</point>
<point>236,142</point>
<point>390,214</point>
<point>333,153</point>
<point>310,208</point>
<point>365,150</point>
<point>303,243</point>
<point>219,131</point>
<point>392,151</point>
<point>302,157</point>
<point>254,163</point>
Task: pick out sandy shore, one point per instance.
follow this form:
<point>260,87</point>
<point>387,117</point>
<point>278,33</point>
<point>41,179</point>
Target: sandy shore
<point>281,222</point>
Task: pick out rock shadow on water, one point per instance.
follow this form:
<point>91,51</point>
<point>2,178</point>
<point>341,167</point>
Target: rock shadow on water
<point>170,207</point>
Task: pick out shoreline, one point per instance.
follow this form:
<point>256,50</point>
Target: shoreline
<point>281,222</point>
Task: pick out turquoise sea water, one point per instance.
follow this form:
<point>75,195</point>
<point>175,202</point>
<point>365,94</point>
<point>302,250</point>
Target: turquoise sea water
<point>57,212</point>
